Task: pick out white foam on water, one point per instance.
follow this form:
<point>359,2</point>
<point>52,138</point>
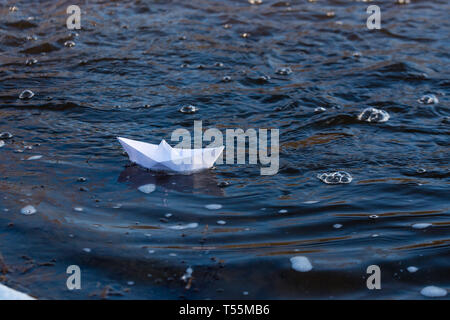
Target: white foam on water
<point>222,222</point>
<point>87,250</point>
<point>421,225</point>
<point>433,292</point>
<point>37,157</point>
<point>213,206</point>
<point>7,293</point>
<point>188,274</point>
<point>337,226</point>
<point>192,225</point>
<point>147,188</point>
<point>79,209</point>
<point>2,143</point>
<point>429,99</point>
<point>338,177</point>
<point>412,269</point>
<point>283,211</point>
<point>28,210</point>
<point>373,115</point>
<point>301,264</point>
<point>311,201</point>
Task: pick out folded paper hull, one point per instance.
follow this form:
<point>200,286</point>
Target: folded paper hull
<point>163,157</point>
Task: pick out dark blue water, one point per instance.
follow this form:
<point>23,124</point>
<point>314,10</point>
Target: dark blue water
<point>135,63</point>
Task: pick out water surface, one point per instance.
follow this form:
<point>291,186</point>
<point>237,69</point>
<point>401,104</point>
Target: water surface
<point>136,63</point>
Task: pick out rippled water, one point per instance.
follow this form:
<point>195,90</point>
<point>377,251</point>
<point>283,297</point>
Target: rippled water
<point>128,72</point>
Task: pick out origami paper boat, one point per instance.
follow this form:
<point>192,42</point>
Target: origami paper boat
<point>163,157</point>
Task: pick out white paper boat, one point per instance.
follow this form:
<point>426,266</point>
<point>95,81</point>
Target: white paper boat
<point>163,157</point>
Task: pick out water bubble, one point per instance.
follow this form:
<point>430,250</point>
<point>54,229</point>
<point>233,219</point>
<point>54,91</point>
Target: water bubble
<point>30,62</point>
<point>187,275</point>
<point>26,94</point>
<point>188,109</point>
<point>147,188</point>
<point>69,44</point>
<point>320,109</point>
<point>283,71</point>
<point>28,210</point>
<point>373,115</point>
<point>338,177</point>
<point>301,264</point>
<point>213,206</point>
<point>428,99</point>
<point>263,78</point>
<point>223,184</point>
<point>421,225</point>
<point>412,269</point>
<point>226,79</point>
<point>433,292</point>
<point>6,135</point>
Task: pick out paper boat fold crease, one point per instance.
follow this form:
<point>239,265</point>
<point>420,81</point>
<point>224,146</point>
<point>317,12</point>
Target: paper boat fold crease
<point>163,157</point>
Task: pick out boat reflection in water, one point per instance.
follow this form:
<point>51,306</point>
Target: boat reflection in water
<point>203,182</point>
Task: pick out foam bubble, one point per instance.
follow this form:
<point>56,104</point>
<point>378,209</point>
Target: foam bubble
<point>428,99</point>
<point>338,177</point>
<point>301,264</point>
<point>412,269</point>
<point>373,115</point>
<point>188,109</point>
<point>433,292</point>
<point>147,188</point>
<point>28,210</point>
<point>26,94</point>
